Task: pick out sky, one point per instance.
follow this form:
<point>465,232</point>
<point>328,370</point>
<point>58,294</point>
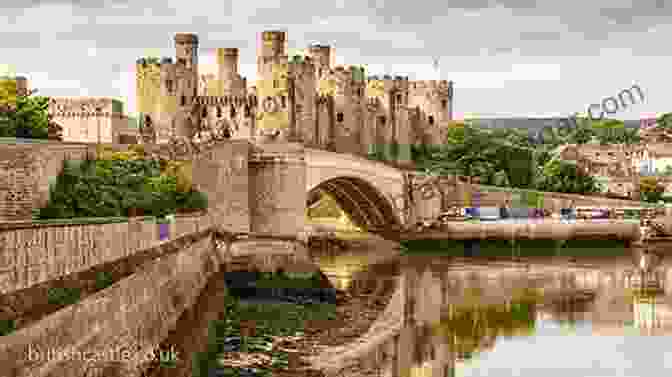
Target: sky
<point>507,58</point>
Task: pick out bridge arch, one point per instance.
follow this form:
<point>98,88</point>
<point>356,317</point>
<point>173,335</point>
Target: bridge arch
<point>367,207</point>
<point>371,192</point>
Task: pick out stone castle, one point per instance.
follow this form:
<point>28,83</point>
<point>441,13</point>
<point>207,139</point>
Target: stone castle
<point>301,99</point>
<point>93,120</point>
<point>83,119</point>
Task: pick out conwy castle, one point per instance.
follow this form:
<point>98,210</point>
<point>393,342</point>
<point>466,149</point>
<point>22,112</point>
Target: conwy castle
<point>301,99</point>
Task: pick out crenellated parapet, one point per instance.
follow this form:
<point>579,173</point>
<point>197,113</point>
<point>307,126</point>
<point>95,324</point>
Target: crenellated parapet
<point>440,88</point>
<point>382,86</point>
<point>84,106</point>
<point>304,97</point>
<point>373,103</point>
<point>250,100</point>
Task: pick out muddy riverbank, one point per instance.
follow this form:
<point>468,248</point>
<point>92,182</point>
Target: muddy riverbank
<point>269,350</point>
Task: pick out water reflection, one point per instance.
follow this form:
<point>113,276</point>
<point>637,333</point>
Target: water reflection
<point>468,316</point>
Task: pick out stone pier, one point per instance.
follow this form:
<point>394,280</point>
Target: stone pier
<point>277,176</point>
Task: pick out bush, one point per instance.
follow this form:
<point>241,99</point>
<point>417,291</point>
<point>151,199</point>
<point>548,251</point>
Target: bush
<point>112,187</point>
<point>103,280</point>
<point>63,296</point>
<point>196,200</point>
<point>7,326</point>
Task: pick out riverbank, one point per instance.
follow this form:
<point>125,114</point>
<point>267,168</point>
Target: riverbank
<point>227,336</point>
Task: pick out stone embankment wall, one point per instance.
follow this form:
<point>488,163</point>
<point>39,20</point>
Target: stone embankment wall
<point>133,315</point>
<point>27,169</point>
<point>427,198</point>
<point>33,253</point>
<point>130,318</point>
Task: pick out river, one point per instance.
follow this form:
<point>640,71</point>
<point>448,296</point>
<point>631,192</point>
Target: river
<point>529,316</point>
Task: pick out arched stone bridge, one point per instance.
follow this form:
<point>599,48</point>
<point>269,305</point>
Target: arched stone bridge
<point>371,192</point>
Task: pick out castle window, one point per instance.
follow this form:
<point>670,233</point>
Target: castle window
<point>399,98</point>
<point>431,120</point>
<point>204,112</point>
<point>283,100</point>
<point>339,117</point>
<point>219,111</point>
<point>247,110</point>
<point>232,112</point>
<point>183,100</point>
<point>359,92</point>
<point>169,85</point>
<point>444,104</point>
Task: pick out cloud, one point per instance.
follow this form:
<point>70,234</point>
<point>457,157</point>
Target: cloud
<point>478,42</point>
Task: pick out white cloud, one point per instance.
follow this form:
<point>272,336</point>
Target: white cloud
<point>537,75</point>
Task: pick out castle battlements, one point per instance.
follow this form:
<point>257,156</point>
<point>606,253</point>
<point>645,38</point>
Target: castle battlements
<point>226,100</point>
<point>373,102</point>
<point>189,38</point>
<point>86,114</point>
<point>423,86</point>
<point>274,35</point>
<point>167,89</point>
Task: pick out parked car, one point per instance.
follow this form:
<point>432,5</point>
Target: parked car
<point>490,214</point>
<point>452,214</point>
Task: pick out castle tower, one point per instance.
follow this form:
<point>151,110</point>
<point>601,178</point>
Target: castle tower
<point>186,54</point>
<point>187,81</point>
<point>186,50</point>
<point>272,48</point>
<point>302,100</point>
<point>434,98</point>
<point>321,55</point>
<point>273,88</point>
<point>21,86</point>
<point>227,63</point>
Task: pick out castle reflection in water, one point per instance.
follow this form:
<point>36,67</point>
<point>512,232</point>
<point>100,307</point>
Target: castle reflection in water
<point>448,314</point>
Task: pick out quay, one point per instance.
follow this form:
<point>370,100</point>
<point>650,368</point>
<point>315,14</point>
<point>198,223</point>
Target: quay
<point>548,229</point>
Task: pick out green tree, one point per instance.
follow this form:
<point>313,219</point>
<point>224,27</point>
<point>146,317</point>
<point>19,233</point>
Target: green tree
<point>28,119</point>
<point>564,176</point>
<point>582,133</point>
<point>664,121</point>
<point>610,131</point>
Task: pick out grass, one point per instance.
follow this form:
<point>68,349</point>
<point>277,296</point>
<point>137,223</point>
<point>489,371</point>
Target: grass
<point>289,280</point>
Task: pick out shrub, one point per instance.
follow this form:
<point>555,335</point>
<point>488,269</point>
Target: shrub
<point>63,296</point>
<point>7,326</point>
<point>196,200</point>
<point>103,280</point>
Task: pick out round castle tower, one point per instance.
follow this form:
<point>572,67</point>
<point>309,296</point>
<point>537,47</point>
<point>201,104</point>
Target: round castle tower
<point>272,48</point>
<point>227,61</point>
<point>186,50</point>
<point>321,55</point>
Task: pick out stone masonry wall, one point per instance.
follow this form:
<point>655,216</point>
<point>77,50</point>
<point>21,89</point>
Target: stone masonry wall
<point>31,254</point>
<point>26,171</point>
<point>40,253</point>
<point>122,322</point>
<point>428,204</point>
